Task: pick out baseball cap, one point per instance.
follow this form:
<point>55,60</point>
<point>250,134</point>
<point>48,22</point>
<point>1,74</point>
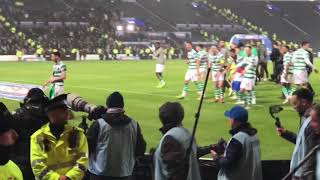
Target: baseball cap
<point>58,102</point>
<point>237,113</point>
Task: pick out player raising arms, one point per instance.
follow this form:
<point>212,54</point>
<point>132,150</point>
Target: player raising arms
<point>301,60</point>
<point>191,74</point>
<point>202,64</point>
<point>250,63</point>
<point>58,76</point>
<point>217,73</point>
<point>286,77</point>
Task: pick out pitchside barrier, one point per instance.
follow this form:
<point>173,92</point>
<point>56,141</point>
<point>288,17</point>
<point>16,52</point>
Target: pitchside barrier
<point>89,57</point>
<point>271,169</point>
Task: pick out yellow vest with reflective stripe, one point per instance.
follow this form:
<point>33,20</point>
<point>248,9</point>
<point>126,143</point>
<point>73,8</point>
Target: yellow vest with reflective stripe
<point>10,171</point>
<point>52,158</point>
<point>19,53</point>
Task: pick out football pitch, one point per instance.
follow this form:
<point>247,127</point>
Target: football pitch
<point>95,80</point>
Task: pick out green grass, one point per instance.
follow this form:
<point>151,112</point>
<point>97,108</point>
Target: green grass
<point>95,80</point>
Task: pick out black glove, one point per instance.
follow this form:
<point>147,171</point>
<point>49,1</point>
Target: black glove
<point>220,147</point>
<point>97,113</point>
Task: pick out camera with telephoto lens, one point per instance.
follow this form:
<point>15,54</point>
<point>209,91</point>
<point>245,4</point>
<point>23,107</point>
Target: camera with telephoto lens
<point>220,147</point>
<point>77,103</point>
<point>273,110</point>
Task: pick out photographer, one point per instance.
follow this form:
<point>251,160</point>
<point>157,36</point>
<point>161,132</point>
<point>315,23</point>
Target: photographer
<point>241,159</point>
<point>28,119</point>
<point>115,141</point>
<point>170,160</point>
<point>8,137</point>
<point>302,101</point>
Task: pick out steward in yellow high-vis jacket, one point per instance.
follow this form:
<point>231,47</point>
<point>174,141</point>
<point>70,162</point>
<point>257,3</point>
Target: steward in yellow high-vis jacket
<point>58,150</point>
<point>8,137</point>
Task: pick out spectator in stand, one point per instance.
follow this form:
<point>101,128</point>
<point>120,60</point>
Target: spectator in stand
<point>115,142</point>
<point>302,101</point>
<point>170,158</point>
<point>8,137</point>
<point>242,157</point>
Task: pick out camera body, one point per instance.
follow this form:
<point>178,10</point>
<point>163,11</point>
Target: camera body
<point>276,109</point>
<point>220,147</point>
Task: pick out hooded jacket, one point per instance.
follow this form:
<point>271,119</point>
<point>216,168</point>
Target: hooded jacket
<point>114,143</point>
<point>242,156</point>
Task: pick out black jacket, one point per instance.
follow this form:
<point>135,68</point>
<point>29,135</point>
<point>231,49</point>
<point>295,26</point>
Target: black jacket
<point>173,155</point>
<point>275,55</point>
<point>27,120</point>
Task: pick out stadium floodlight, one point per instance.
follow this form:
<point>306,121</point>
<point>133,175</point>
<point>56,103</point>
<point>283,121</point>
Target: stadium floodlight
<point>195,4</point>
<point>130,27</point>
<point>119,28</point>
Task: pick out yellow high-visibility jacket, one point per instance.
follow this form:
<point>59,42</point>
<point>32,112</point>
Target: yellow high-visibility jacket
<point>10,171</point>
<point>52,158</point>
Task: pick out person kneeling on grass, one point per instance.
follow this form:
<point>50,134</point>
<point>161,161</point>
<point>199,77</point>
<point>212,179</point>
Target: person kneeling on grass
<point>242,157</point>
<point>171,162</point>
<point>115,141</point>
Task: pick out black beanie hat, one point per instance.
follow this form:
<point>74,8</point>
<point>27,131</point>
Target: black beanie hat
<point>5,118</point>
<point>115,100</point>
<point>36,95</point>
<point>171,113</point>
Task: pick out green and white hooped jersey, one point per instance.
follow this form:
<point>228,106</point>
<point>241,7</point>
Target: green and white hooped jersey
<point>250,64</point>
<point>215,61</point>
<point>192,59</point>
<point>298,58</point>
<point>203,57</point>
<point>58,69</point>
<point>287,58</point>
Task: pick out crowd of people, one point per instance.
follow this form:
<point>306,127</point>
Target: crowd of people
<point>44,145</point>
<point>85,29</point>
<point>240,68</point>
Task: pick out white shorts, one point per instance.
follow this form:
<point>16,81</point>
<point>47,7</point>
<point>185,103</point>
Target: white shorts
<point>203,71</point>
<point>56,90</point>
<point>217,76</point>
<point>288,80</point>
<point>300,77</point>
<point>248,84</point>
<point>191,75</point>
<point>159,68</point>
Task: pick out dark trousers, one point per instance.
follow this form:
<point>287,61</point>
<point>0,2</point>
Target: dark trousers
<point>277,73</point>
<point>262,69</point>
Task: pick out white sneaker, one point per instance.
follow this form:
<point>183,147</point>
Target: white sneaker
<point>239,102</point>
<point>233,97</point>
<point>254,101</point>
<point>247,107</point>
<point>286,101</point>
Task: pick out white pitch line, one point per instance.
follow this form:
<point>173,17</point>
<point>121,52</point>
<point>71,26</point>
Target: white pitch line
<point>132,92</point>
